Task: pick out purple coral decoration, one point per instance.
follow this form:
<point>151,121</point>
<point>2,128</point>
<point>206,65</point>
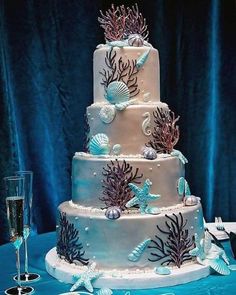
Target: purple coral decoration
<point>175,250</point>
<point>116,183</point>
<point>68,247</point>
<point>166,133</point>
<point>118,70</point>
<point>120,22</point>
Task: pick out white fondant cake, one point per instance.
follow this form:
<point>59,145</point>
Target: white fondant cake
<point>131,211</point>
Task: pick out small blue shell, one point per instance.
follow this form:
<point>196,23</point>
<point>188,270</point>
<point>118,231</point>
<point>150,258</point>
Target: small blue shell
<point>135,40</point>
<point>149,153</point>
<point>183,187</point>
<point>162,270</point>
<point>142,59</point>
<point>104,291</point>
<point>138,250</point>
<point>219,266</point>
<point>99,144</point>
<point>117,92</point>
<point>113,213</point>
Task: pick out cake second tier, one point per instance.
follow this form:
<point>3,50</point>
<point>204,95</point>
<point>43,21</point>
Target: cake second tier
<point>90,173</point>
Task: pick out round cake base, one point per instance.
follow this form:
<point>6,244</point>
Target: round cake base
<point>65,272</point>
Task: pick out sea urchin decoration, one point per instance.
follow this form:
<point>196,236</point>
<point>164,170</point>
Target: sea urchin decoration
<point>166,133</point>
<point>120,22</point>
<point>116,191</point>
<point>175,250</point>
<point>68,246</point>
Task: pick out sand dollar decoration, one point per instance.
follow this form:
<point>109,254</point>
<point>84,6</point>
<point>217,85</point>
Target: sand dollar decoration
<point>135,40</point>
<point>99,144</point>
<point>117,92</point>
<point>107,113</point>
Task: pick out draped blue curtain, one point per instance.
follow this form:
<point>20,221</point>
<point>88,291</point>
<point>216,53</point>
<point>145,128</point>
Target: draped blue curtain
<point>46,50</point>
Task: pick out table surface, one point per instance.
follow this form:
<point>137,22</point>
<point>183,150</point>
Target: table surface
<point>41,244</point>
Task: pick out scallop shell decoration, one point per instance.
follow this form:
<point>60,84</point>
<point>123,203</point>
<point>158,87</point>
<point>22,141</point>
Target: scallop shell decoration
<point>135,40</point>
<point>191,201</point>
<point>219,266</point>
<point>113,213</point>
<point>149,153</point>
<point>117,92</point>
<point>138,250</point>
<point>99,144</point>
<point>104,291</point>
<point>107,113</point>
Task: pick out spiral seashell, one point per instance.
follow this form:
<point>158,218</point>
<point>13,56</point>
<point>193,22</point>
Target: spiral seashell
<point>99,144</point>
<point>142,59</point>
<point>135,40</point>
<point>104,291</point>
<point>162,270</point>
<point>219,266</point>
<point>191,201</point>
<point>149,153</point>
<point>113,213</point>
<point>107,113</point>
<point>117,92</point>
<point>138,250</point>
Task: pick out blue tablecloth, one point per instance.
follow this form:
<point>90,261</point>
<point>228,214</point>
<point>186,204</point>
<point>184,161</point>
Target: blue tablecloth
<point>39,246</point>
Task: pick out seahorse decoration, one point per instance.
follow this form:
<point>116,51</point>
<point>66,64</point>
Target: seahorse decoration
<point>138,250</point>
<point>146,125</point>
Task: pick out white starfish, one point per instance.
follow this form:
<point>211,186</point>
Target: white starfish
<point>142,196</point>
<point>85,278</point>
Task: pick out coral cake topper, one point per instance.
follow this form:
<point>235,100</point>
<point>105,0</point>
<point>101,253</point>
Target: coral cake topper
<point>120,22</point>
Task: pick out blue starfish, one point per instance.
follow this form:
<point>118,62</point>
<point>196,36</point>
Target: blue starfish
<point>85,278</point>
<point>142,196</point>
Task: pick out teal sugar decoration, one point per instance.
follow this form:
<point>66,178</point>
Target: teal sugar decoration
<point>142,196</point>
<point>99,144</point>
<point>138,250</point>
<point>142,59</point>
<point>183,187</point>
<point>17,243</point>
<point>85,278</point>
<point>117,92</point>
<point>178,154</point>
<point>162,270</point>
<point>104,291</point>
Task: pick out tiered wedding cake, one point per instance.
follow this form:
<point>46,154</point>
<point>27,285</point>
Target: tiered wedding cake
<point>132,220</point>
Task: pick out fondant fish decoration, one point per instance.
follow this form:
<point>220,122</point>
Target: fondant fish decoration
<point>138,250</point>
<point>142,59</point>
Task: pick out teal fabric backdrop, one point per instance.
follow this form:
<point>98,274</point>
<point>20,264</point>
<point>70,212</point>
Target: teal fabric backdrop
<point>46,83</point>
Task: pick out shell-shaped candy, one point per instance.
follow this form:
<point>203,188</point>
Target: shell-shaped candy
<point>219,266</point>
<point>117,92</point>
<point>162,270</point>
<point>183,187</point>
<point>99,144</point>
<point>107,113</point>
<point>138,250</point>
<point>191,201</point>
<point>149,153</point>
<point>113,213</point>
<point>135,40</point>
<point>152,210</point>
<point>104,291</point>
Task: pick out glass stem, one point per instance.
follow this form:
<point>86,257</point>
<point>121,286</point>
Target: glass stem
<point>26,256</point>
<point>18,267</point>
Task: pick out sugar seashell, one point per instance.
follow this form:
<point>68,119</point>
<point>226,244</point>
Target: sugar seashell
<point>138,250</point>
<point>142,59</point>
<point>104,291</point>
<point>191,200</point>
<point>118,43</point>
<point>113,213</point>
<point>219,266</point>
<point>152,210</point>
<point>123,105</point>
<point>162,270</point>
<point>183,187</point>
<point>149,153</point>
<point>107,113</point>
<point>99,144</point>
<point>135,40</point>
<point>117,92</point>
<point>116,149</point>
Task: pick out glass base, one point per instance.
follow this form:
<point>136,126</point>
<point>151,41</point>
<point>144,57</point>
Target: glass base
<point>19,290</point>
<point>30,277</point>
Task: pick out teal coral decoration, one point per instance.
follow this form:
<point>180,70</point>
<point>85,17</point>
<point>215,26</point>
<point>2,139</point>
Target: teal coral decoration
<point>183,187</point>
<point>85,278</point>
<point>209,254</point>
<point>99,144</point>
<point>142,196</point>
<point>142,59</point>
<point>178,154</point>
<point>138,250</point>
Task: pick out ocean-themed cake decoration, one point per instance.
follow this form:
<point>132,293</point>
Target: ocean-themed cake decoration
<point>146,124</point>
<point>165,133</point>
<point>191,200</point>
<point>113,212</point>
<point>174,250</point>
<point>135,40</point>
<point>68,246</point>
<point>149,153</point>
<point>208,253</point>
<point>162,270</point>
<point>116,149</point>
<point>183,187</point>
<point>142,196</point>
<point>99,144</point>
<point>136,254</point>
<point>117,177</point>
<point>104,291</point>
<point>152,210</point>
<point>178,154</point>
<point>86,278</point>
<point>142,59</point>
<point>117,92</point>
<point>107,113</point>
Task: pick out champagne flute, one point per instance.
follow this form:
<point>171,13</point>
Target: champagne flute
<point>28,176</point>
<point>14,186</point>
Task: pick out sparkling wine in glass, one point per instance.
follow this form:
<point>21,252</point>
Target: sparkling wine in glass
<point>28,180</point>
<point>14,187</point>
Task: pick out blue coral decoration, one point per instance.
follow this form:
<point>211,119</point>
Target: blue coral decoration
<point>183,187</point>
<point>138,250</point>
<point>142,196</point>
<point>178,154</point>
